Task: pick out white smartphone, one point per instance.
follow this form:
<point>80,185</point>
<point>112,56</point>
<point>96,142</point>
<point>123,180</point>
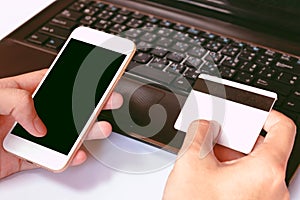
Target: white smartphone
<point>71,95</point>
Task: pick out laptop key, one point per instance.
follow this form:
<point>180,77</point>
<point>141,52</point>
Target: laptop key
<point>292,105</point>
<point>296,93</point>
<point>270,53</point>
<point>286,59</point>
<point>133,33</point>
<point>54,43</point>
<point>152,20</point>
<point>142,58</point>
<point>224,40</point>
<point>63,23</point>
<point>175,57</point>
<point>239,44</point>
<point>198,41</point>
<point>90,11</point>
<point>272,85</point>
<point>214,57</point>
<point>213,46</point>
<point>71,15</point>
<point>267,72</point>
<point>148,37</point>
<point>164,42</point>
<point>179,27</point>
<point>180,46</point>
<point>105,15</point>
<point>231,51</point>
<point>197,51</point>
<point>287,78</point>
<point>166,24</point>
<point>159,52</point>
<point>164,32</point>
<point>193,62</point>
<point>264,60</point>
<point>247,55</point>
<point>117,28</point>
<point>227,73</point>
<point>144,46</point>
<point>159,63</point>
<point>88,20</point>
<point>103,25</point>
<point>249,67</point>
<point>193,32</point>
<point>291,68</point>
<point>135,23</point>
<point>244,77</point>
<point>210,36</point>
<point>181,37</point>
<point>119,19</point>
<point>231,62</point>
<point>176,68</point>
<point>38,38</point>
<point>154,74</point>
<point>253,49</point>
<point>112,8</point>
<point>191,73</point>
<point>55,31</point>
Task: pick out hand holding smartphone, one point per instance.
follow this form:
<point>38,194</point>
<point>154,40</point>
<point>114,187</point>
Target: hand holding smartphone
<point>71,95</point>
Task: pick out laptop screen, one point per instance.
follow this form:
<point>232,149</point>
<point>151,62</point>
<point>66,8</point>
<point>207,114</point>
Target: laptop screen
<point>276,16</point>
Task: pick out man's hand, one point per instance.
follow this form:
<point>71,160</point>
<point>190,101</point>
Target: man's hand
<point>16,104</point>
<point>203,174</point>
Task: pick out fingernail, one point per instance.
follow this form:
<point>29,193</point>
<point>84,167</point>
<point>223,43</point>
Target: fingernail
<point>210,140</point>
<point>190,136</point>
<point>39,126</point>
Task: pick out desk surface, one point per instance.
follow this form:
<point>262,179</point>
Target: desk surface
<point>96,178</point>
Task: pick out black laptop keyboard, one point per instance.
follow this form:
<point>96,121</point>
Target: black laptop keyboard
<point>173,55</point>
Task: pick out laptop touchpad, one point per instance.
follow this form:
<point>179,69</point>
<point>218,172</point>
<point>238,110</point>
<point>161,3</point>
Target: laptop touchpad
<point>139,99</point>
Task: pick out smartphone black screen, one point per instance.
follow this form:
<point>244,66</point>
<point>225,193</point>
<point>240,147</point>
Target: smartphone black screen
<point>80,76</point>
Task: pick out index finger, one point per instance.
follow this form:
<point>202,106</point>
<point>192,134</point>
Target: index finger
<point>281,132</point>
<point>28,81</point>
<point>115,101</point>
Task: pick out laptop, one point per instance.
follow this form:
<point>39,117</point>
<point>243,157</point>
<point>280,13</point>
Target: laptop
<point>252,42</point>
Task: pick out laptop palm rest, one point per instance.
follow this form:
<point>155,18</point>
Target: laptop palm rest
<point>17,58</point>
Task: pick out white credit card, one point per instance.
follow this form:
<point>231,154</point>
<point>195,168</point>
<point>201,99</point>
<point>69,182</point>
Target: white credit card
<point>241,110</point>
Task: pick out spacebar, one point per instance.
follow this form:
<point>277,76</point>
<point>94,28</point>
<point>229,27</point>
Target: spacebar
<point>153,74</point>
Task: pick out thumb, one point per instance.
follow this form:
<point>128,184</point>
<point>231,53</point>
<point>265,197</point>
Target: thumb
<point>19,104</point>
<point>201,137</point>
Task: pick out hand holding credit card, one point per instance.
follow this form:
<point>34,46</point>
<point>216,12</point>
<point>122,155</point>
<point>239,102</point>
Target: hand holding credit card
<point>241,110</point>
